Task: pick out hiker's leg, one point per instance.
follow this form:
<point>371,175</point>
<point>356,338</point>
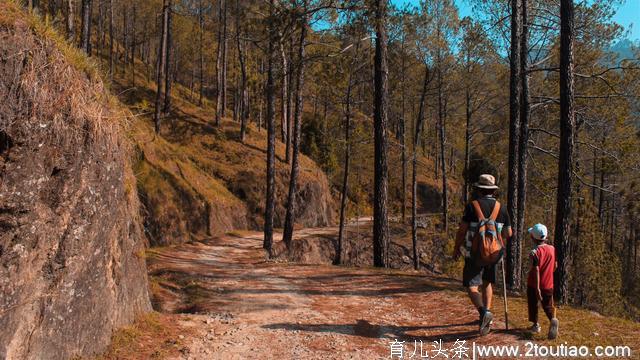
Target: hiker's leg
<point>475,296</point>
<point>487,294</point>
<point>472,280</point>
<point>547,303</point>
<point>532,303</point>
<point>488,279</point>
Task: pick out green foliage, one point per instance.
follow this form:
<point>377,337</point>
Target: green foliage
<point>315,143</point>
<point>596,277</point>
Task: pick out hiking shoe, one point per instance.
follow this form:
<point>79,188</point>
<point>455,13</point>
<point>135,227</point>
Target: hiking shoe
<point>485,323</point>
<point>553,329</point>
<point>535,328</point>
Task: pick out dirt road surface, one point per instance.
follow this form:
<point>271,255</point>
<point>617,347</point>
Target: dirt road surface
<point>238,305</point>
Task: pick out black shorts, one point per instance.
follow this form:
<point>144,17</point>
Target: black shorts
<point>474,275</point>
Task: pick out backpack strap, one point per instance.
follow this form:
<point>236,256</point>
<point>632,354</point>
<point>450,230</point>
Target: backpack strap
<point>495,212</point>
<point>476,207</point>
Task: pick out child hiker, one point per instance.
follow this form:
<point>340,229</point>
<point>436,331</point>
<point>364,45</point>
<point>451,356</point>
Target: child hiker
<point>540,280</point>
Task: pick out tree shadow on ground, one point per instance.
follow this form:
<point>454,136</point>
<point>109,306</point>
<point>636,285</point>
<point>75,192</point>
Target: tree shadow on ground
<point>362,328</point>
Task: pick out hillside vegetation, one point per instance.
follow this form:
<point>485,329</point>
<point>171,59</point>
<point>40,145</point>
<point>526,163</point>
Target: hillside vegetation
<point>197,180</point>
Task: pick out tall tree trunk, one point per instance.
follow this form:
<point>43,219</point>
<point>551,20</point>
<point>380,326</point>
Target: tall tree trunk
<point>347,162</point>
<point>284,127</point>
<point>517,239</point>
<point>514,135</point>
<point>244,95</point>
<point>601,195</point>
<point>111,40</point>
<point>201,51</point>
<point>271,135</point>
<point>414,175</point>
<point>71,31</point>
<point>224,58</point>
<point>125,39</point>
<point>133,43</point>
<point>565,163</point>
<point>219,63</point>
<point>297,121</point>
<point>290,77</point>
<point>162,59</point>
<point>403,134</point>
<point>380,221</point>
<point>100,35</point>
<point>467,144</point>
<point>613,224</point>
<point>169,55</point>
<point>443,162</point>
<point>85,38</point>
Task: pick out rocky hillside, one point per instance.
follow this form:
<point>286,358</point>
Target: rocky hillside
<point>71,247</point>
<point>197,180</point>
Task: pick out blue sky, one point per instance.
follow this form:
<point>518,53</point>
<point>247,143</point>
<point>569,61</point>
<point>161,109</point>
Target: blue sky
<point>627,14</point>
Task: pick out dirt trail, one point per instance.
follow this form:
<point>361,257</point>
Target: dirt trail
<point>241,306</point>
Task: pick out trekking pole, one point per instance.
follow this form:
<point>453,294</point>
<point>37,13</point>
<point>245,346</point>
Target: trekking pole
<point>504,293</point>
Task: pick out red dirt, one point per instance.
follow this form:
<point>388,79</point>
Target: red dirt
<point>244,306</point>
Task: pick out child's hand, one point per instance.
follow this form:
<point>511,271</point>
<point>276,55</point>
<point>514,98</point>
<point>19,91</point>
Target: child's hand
<point>539,295</point>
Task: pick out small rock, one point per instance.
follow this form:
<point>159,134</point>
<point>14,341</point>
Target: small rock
<point>405,259</point>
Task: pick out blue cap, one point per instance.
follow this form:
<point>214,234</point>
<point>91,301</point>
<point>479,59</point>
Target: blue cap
<point>539,232</point>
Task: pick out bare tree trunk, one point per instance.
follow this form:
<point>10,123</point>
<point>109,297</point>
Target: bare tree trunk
<point>297,121</point>
<point>162,58</point>
<point>414,175</point>
<point>85,38</point>
<point>244,95</point>
<point>261,98</point>
<point>443,162</point>
<point>380,221</point>
<point>271,136</point>
<point>219,63</point>
<point>111,42</point>
<point>514,135</point>
<point>601,192</point>
<point>517,238</point>
<point>403,134</point>
<point>200,50</point>
<point>467,145</point>
<point>169,51</point>
<point>224,58</point>
<point>125,39</point>
<point>71,31</point>
<point>347,160</point>
<point>284,127</point>
<point>100,35</point>
<point>133,44</point>
<point>565,163</point>
<point>290,77</point>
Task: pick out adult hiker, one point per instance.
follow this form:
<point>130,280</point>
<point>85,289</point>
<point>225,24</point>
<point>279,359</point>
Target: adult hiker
<point>481,238</point>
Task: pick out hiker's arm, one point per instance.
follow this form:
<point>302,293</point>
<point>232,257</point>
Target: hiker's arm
<point>507,232</point>
<point>537,272</point>
<point>460,235</point>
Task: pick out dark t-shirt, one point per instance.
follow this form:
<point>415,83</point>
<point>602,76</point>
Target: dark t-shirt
<point>486,204</point>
